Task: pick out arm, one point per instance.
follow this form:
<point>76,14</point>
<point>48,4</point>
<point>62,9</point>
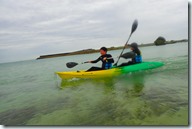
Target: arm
<point>109,59</point>
<point>128,55</point>
<point>95,61</point>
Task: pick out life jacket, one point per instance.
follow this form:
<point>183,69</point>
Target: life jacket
<point>108,65</point>
<point>138,59</point>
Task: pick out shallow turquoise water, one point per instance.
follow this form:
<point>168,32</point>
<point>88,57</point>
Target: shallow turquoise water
<point>31,94</point>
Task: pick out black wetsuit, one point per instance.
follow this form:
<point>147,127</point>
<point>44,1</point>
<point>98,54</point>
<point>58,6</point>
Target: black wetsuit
<point>107,64</point>
<point>136,59</point>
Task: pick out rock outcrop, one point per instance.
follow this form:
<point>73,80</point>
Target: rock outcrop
<point>160,41</point>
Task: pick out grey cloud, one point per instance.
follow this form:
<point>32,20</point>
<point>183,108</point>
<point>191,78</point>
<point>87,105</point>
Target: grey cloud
<point>61,24</point>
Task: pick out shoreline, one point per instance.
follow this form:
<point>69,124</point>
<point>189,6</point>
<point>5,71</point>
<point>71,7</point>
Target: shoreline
<point>89,51</point>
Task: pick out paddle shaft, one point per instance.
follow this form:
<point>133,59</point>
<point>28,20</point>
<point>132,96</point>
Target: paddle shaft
<point>73,64</point>
<point>134,27</point>
<point>123,49</point>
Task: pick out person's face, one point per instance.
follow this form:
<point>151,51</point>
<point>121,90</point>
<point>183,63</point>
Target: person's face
<point>102,52</point>
<point>132,48</point>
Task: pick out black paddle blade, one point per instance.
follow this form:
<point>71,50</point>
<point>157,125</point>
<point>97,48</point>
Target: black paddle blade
<point>71,64</point>
<point>128,55</point>
<point>134,26</point>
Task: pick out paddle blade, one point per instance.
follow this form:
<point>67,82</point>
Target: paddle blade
<point>71,64</point>
<point>128,55</point>
<point>134,26</point>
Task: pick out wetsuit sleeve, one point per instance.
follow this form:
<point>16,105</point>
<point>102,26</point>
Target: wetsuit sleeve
<point>95,61</point>
<point>110,60</point>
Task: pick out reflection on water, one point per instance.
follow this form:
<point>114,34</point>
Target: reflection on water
<point>137,80</point>
<point>122,100</point>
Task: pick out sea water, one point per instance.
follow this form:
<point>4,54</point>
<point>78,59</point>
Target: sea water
<point>31,93</point>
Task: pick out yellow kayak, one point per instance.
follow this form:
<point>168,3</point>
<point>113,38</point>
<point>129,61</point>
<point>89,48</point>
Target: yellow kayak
<point>90,74</point>
<point>110,72</point>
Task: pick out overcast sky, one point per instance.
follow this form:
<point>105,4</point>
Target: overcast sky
<point>29,28</point>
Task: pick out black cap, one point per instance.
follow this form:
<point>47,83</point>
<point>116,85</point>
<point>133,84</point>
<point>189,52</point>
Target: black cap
<point>134,45</point>
<point>104,49</point>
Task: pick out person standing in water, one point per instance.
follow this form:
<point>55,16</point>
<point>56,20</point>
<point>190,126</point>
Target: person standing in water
<point>137,55</point>
<point>106,59</point>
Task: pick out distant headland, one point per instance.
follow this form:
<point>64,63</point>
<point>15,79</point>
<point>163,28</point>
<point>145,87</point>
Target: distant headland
<point>159,41</point>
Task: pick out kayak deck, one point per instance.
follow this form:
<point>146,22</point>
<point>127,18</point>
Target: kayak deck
<point>110,72</point>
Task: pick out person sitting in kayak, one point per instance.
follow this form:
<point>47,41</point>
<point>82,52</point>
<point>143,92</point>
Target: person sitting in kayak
<point>106,59</point>
<point>135,54</point>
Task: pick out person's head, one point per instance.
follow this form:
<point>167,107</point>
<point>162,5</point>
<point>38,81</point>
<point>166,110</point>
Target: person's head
<point>103,50</point>
<point>134,46</point>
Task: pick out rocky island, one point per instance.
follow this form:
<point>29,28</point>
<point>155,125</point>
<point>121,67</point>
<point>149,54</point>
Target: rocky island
<point>159,41</point>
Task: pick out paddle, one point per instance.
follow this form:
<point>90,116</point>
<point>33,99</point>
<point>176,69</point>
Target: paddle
<point>134,27</point>
<point>73,64</point>
<point>125,55</point>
